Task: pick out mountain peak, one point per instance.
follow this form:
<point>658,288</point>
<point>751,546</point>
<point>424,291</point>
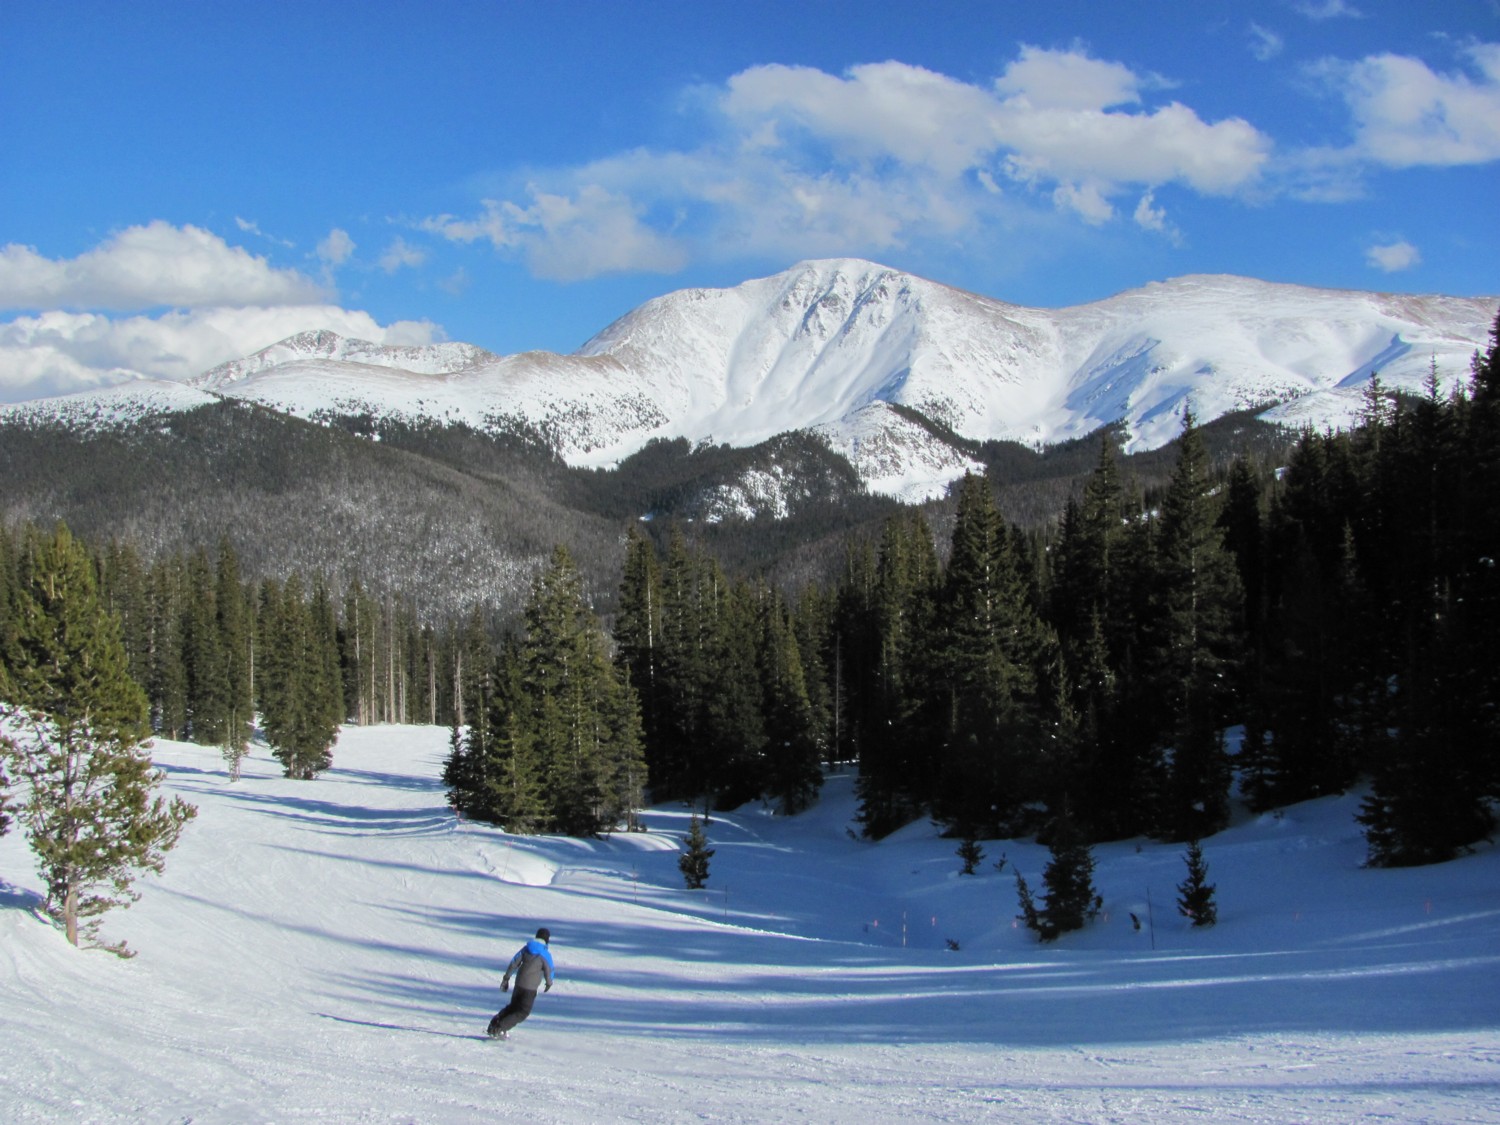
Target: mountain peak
<point>840,346</point>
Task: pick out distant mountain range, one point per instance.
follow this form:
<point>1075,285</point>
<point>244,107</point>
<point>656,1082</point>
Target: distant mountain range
<point>771,421</point>
<point>897,374</point>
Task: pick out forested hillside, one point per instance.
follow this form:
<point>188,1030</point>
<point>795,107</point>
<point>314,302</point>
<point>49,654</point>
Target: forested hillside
<point>450,519</point>
<point>1337,601</point>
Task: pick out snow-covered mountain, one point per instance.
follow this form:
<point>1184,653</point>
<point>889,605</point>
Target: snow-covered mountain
<point>834,346</point>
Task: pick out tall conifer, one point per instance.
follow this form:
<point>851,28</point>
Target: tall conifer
<point>90,809</point>
<point>1198,642</point>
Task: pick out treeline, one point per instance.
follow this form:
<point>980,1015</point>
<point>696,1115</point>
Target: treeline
<point>1340,607</point>
<point>1072,680</point>
<point>553,741</point>
<point>211,651</point>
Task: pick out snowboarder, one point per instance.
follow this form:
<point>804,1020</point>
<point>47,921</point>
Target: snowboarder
<point>531,966</point>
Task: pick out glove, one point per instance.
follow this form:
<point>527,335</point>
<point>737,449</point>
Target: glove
<point>547,987</point>
<point>505,986</point>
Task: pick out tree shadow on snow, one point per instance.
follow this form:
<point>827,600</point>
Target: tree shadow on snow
<point>345,818</point>
<point>13,897</point>
<point>831,993</point>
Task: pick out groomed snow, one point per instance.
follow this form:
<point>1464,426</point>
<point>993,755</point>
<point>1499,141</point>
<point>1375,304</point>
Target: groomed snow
<point>331,951</point>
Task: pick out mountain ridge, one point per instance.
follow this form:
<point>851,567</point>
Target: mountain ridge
<point>838,347</point>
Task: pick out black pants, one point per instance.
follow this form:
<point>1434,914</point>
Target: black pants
<point>513,1013</point>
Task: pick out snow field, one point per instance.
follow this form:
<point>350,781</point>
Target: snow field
<point>331,950</point>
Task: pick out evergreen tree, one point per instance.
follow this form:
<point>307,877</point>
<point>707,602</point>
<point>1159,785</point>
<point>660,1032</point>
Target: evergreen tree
<point>1434,779</point>
<point>512,765</point>
<point>637,633</point>
<point>90,811</point>
<point>357,653</point>
<point>167,687</point>
<point>1198,642</point>
<point>583,718</point>
<point>994,650</point>
<point>1244,540</point>
<point>734,714</point>
<point>463,775</point>
<point>474,662</point>
<point>889,611</point>
<point>1195,894</point>
<point>855,629</point>
<point>679,743</point>
<point>1071,901</point>
<point>299,681</point>
<point>971,853</point>
<point>1084,585</point>
<point>793,774</point>
<point>235,647</point>
<point>123,590</point>
<point>9,596</point>
<point>204,659</point>
<point>819,647</point>
<point>693,862</point>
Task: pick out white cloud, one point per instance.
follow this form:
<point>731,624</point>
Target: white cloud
<point>1406,115</point>
<point>877,111</point>
<point>61,352</point>
<point>1148,216</point>
<point>1087,200</point>
<point>1045,79</point>
<point>1394,256</point>
<point>567,237</point>
<point>251,227</point>
<point>1265,44</point>
<point>1327,9</point>
<point>146,267</point>
<point>401,255</point>
<point>880,156</point>
<point>337,248</point>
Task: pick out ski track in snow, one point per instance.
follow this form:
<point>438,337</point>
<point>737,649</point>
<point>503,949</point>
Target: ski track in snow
<point>331,950</point>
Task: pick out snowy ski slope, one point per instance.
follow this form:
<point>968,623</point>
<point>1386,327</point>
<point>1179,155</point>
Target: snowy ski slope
<point>331,950</point>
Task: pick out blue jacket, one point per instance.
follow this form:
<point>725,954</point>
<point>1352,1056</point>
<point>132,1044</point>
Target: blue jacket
<point>531,966</point>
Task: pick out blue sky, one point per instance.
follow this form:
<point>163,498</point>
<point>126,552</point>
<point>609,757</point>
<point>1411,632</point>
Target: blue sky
<point>181,183</point>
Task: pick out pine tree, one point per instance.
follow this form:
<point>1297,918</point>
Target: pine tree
<point>1198,643</point>
<point>1071,901</point>
<point>818,645</point>
<point>299,681</point>
<point>994,648</point>
<point>734,712</point>
<point>167,687</point>
<point>1084,583</point>
<point>679,743</point>
<point>235,644</point>
<point>793,773</point>
<point>511,762</point>
<point>1244,540</point>
<point>1432,566</point>
<point>123,589</point>
<point>90,811</point>
<point>1195,894</point>
<point>463,774</point>
<point>892,674</point>
<point>206,664</point>
<point>693,862</point>
<point>637,632</point>
<point>971,853</point>
<point>582,716</point>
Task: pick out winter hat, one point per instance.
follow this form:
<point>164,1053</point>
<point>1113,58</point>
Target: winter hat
<point>544,935</point>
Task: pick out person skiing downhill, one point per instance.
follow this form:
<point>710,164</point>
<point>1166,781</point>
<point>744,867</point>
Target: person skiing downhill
<point>531,966</point>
